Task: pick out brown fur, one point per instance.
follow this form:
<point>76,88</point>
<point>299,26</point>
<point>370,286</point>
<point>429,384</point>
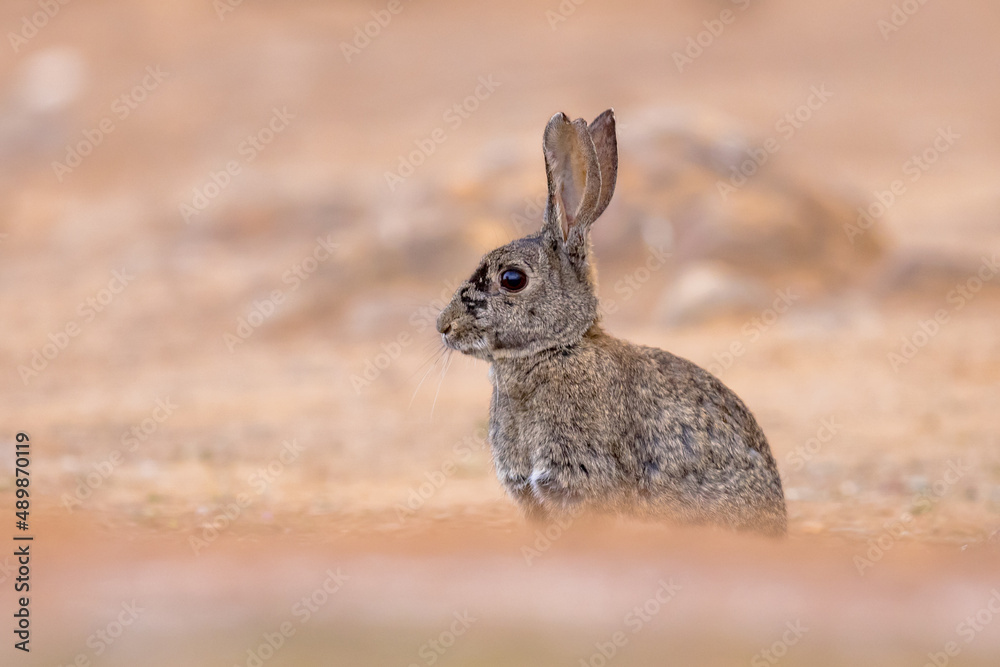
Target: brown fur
<point>580,419</point>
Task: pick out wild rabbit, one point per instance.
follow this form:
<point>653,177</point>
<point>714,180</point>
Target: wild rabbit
<point>580,419</point>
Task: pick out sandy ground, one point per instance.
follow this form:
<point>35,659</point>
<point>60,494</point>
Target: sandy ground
<point>251,441</point>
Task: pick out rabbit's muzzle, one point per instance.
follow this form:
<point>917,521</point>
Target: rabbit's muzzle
<point>459,331</point>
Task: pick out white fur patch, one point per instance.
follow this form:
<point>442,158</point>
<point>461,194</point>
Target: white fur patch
<point>536,477</point>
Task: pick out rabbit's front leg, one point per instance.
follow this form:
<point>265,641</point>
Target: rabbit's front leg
<point>513,462</point>
<point>559,482</point>
<point>520,489</point>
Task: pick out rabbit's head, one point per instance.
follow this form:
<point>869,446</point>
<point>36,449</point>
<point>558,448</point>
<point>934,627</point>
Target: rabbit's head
<point>539,292</point>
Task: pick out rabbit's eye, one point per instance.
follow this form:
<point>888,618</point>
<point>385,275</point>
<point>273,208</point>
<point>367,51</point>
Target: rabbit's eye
<point>513,280</point>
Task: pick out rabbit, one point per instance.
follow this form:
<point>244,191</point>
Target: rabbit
<point>580,420</point>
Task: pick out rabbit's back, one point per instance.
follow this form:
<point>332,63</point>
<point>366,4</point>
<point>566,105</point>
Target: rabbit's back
<point>712,452</point>
<point>625,427</point>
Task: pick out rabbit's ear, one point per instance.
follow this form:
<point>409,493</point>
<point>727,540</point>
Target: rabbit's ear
<point>602,131</point>
<point>574,177</point>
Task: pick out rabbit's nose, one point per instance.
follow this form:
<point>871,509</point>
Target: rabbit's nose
<point>444,321</point>
<point>452,313</point>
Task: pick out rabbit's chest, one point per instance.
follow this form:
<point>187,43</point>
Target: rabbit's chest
<point>521,434</point>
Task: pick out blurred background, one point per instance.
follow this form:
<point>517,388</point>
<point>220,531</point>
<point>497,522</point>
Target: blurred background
<point>227,228</point>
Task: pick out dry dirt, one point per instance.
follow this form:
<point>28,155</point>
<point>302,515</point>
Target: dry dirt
<point>200,484</point>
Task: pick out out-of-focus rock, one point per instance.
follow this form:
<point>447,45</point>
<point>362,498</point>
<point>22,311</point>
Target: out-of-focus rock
<point>704,288</point>
<point>928,271</point>
<point>50,79</point>
<point>730,205</point>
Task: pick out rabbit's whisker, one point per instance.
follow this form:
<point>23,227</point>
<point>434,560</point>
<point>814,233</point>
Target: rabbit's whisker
<point>431,362</point>
<point>444,370</point>
<point>432,357</point>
